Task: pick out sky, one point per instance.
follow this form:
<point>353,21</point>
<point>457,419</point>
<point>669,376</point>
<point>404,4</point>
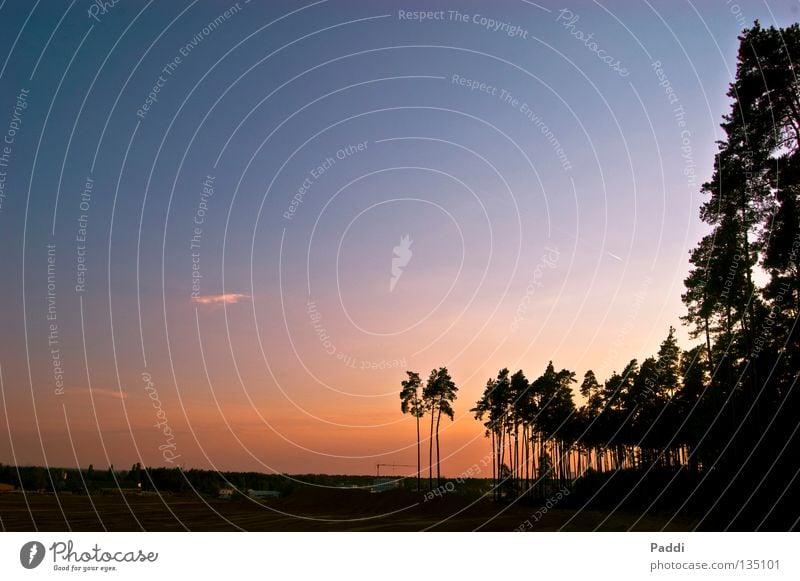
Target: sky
<point>227,229</point>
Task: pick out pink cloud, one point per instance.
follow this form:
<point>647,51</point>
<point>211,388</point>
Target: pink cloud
<point>228,298</point>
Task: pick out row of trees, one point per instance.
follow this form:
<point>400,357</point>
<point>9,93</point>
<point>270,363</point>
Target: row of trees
<point>155,479</point>
<point>648,415</point>
<point>72,480</point>
<point>526,422</point>
<point>541,439</point>
<point>435,399</point>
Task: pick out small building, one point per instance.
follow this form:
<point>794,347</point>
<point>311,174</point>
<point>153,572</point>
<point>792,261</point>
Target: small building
<point>6,487</point>
<point>263,493</point>
<point>384,484</point>
<point>123,491</point>
<point>225,493</point>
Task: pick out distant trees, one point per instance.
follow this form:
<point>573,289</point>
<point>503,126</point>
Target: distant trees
<point>135,474</point>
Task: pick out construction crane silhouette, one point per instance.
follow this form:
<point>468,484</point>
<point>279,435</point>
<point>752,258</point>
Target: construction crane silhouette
<point>378,467</point>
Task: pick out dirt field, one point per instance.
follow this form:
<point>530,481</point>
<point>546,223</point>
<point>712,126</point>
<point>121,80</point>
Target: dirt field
<point>308,509</point>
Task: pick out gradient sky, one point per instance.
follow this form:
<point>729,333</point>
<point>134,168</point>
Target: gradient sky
<point>550,211</point>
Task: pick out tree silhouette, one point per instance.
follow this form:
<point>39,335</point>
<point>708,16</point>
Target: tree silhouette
<point>494,405</point>
<point>411,402</point>
<point>439,395</point>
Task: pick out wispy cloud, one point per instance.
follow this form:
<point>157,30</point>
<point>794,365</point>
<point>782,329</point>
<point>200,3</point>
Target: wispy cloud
<point>97,392</point>
<point>229,298</point>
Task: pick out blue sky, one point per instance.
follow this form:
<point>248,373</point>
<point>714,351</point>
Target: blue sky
<point>549,180</point>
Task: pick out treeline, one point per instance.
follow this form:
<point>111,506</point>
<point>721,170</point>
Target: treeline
<point>648,415</point>
<point>162,480</point>
<point>71,480</point>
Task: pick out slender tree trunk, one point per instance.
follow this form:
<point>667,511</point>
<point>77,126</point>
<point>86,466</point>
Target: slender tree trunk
<point>754,375</point>
<point>516,460</point>
<point>708,348</point>
<point>494,464</point>
<point>501,461</point>
<point>527,456</point>
<point>498,442</point>
<point>438,459</point>
<point>419,456</point>
<point>430,451</point>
